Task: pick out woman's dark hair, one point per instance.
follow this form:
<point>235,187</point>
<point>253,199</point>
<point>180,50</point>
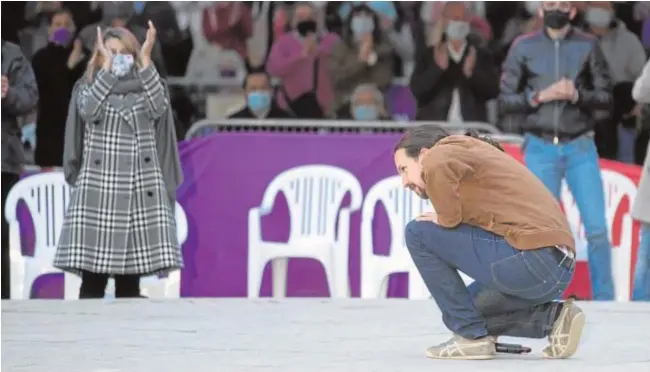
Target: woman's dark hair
<point>426,136</point>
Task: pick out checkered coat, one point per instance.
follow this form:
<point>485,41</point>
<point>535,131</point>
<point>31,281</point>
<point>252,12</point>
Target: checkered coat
<point>120,218</point>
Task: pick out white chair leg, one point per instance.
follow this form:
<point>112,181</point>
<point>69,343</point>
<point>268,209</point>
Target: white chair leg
<point>383,286</point>
<point>173,285</point>
<point>255,274</point>
<point>280,266</point>
<point>72,284</point>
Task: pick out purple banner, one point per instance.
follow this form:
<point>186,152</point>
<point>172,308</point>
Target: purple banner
<point>226,174</point>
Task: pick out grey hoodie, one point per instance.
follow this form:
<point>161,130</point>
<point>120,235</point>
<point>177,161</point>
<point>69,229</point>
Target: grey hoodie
<point>21,99</point>
<point>624,54</point>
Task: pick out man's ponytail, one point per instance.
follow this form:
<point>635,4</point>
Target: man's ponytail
<point>474,134</point>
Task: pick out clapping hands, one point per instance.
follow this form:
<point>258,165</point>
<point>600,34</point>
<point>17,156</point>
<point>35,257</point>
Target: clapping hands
<point>106,54</point>
<point>147,47</point>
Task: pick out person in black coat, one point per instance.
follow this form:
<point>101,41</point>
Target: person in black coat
<point>260,103</point>
<point>57,67</point>
<point>455,76</point>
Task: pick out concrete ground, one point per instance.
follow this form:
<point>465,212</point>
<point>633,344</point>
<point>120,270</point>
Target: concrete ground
<point>301,335</point>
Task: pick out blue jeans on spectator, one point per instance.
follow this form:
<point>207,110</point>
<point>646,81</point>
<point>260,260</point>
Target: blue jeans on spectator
<point>577,161</point>
<point>513,290</point>
<point>641,290</point>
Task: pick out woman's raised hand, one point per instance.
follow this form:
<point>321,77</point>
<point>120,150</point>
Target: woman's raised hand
<point>147,47</point>
<point>103,51</point>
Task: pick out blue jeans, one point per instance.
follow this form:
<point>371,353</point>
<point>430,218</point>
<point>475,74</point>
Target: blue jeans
<point>513,290</point>
<point>641,290</point>
<point>577,161</point>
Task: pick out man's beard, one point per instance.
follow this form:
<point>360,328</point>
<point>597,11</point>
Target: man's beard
<point>420,192</point>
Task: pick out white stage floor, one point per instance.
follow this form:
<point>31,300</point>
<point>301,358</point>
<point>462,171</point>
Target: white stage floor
<point>294,335</point>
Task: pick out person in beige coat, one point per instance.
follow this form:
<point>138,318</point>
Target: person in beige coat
<point>364,55</point>
<point>641,208</point>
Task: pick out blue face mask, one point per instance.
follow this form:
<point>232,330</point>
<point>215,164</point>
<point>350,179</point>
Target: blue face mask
<point>259,100</point>
<point>362,25</point>
<point>365,112</point>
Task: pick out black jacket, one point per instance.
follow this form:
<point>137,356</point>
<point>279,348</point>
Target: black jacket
<point>535,62</point>
<point>433,87</point>
<point>55,83</point>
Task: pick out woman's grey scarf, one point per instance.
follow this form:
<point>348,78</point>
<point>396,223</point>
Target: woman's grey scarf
<point>129,83</point>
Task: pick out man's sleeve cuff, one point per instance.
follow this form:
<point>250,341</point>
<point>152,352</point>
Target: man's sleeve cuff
<point>531,98</point>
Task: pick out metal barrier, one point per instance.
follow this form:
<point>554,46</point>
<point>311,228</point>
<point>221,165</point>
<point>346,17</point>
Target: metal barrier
<point>199,128</point>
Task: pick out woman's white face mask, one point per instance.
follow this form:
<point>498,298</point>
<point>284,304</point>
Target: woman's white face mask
<point>122,64</point>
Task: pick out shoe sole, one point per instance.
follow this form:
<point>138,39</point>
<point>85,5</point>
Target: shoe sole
<point>464,357</point>
<point>575,333</point>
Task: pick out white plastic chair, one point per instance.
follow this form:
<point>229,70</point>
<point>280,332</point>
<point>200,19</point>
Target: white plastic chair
<point>401,206</point>
<point>616,187</point>
<point>314,195</point>
<point>46,196</point>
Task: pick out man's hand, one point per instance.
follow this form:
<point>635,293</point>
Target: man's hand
<point>5,86</point>
<point>441,55</point>
<point>567,89</point>
<point>563,90</point>
<point>429,217</point>
<point>470,63</point>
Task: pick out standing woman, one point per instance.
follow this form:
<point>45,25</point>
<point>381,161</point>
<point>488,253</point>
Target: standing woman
<point>122,161</point>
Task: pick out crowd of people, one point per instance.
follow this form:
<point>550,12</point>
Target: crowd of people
<point>569,91</point>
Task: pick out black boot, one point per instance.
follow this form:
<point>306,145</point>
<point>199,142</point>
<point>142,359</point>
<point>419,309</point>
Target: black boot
<point>127,286</point>
<point>93,285</point>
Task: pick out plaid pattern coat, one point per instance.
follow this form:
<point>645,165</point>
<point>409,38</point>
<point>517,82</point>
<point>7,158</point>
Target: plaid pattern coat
<point>120,219</point>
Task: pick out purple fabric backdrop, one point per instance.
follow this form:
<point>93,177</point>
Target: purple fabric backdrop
<point>226,175</point>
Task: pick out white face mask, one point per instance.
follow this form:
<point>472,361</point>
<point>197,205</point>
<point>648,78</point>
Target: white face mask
<point>457,30</point>
<point>598,17</point>
<point>122,64</point>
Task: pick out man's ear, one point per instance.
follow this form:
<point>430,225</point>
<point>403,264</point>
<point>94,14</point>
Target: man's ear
<point>422,155</point>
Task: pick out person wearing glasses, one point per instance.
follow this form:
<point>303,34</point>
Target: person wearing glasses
<point>558,77</point>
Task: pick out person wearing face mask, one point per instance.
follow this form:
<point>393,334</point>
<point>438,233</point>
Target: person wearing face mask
<point>121,159</point>
<point>366,104</point>
<point>57,67</point>
<point>121,14</point>
<point>625,57</point>
<point>19,98</point>
<point>260,103</point>
<point>558,77</point>
<point>456,75</point>
<point>364,55</point>
<point>299,60</point>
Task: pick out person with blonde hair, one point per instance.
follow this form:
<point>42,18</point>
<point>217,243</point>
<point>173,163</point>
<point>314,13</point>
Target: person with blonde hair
<point>121,159</point>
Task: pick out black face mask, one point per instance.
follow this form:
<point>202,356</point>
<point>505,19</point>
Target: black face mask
<point>556,19</point>
<point>306,27</point>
